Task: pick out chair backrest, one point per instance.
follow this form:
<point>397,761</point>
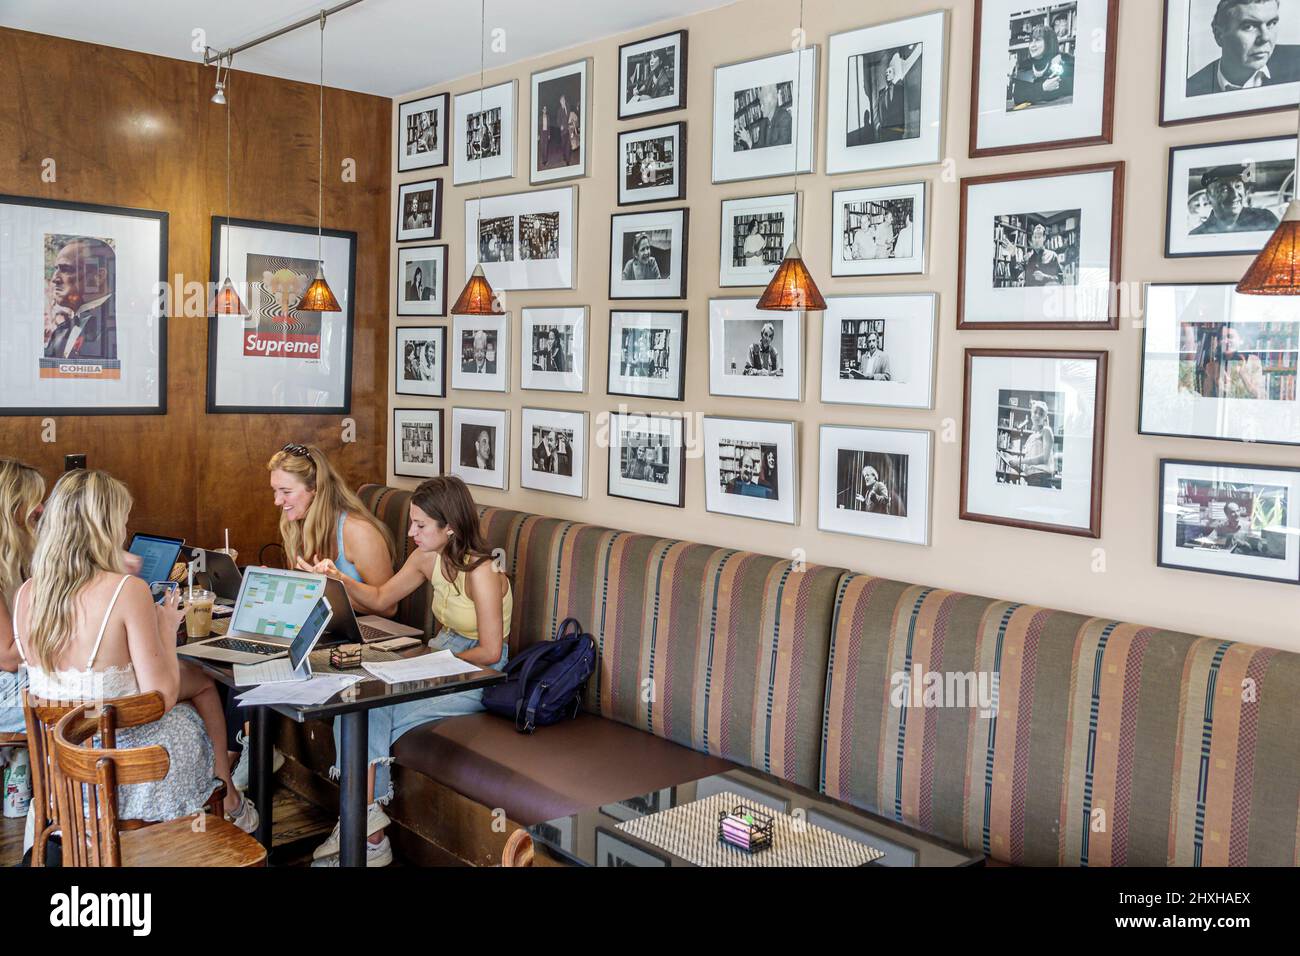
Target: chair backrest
<point>88,777</point>
<point>41,716</point>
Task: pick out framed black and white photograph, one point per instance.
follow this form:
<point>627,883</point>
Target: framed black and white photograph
<point>615,849</point>
<point>83,328</point>
<point>879,349</point>
<point>420,358</point>
<point>480,347</point>
<point>554,451</point>
<point>553,356</point>
<point>652,164</point>
<point>417,442</point>
<point>751,468</point>
<point>755,233</point>
<point>1034,423</point>
<point>1218,364</point>
<point>764,116</point>
<point>422,132</point>
<point>647,354</point>
<point>875,482</point>
<point>525,240</point>
<point>480,446</point>
<point>1226,58</point>
<point>1041,250</point>
<point>886,86</point>
<point>483,134</point>
<point>1043,75</point>
<point>558,147</point>
<point>647,254</point>
<point>1227,518</point>
<point>1225,199</point>
<point>278,357</point>
<point>755,354</point>
<point>878,230</point>
<point>647,458</point>
<point>421,281</point>
<point>652,75</point>
<point>419,210</point>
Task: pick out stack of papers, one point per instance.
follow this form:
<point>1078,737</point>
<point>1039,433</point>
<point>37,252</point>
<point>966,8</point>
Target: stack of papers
<point>438,664</point>
<point>317,690</point>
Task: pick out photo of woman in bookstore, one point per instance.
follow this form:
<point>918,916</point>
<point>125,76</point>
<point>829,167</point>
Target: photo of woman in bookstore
<point>648,162</point>
<point>644,353</point>
<point>1036,249</point>
<point>1251,360</point>
<point>1041,60</point>
<point>758,239</point>
<point>1030,445</point>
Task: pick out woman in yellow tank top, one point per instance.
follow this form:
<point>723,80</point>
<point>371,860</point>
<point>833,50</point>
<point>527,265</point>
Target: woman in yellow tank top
<point>473,605</point>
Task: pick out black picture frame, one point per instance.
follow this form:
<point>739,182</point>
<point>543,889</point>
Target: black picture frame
<point>439,332</point>
<point>401,299</point>
<point>681,467</point>
<point>163,220</point>
<point>437,210</point>
<point>444,127</point>
<point>681,371</point>
<point>681,79</point>
<point>679,164</point>
<point>686,254</point>
<point>436,414</point>
<point>214,265</point>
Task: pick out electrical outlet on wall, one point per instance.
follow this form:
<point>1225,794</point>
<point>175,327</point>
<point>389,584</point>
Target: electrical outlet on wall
<point>73,462</point>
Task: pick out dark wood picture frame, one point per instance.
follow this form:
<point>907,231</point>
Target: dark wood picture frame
<point>163,219</point>
<point>437,210</point>
<point>1101,357</point>
<point>214,271</point>
<point>401,299</point>
<point>685,274</point>
<point>679,164</point>
<point>681,79</point>
<point>1116,168</point>
<point>681,370</point>
<point>442,440</point>
<point>1107,134</point>
<point>440,332</point>
<point>681,466</point>
<point>444,132</point>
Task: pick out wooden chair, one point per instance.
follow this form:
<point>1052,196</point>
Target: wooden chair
<point>518,850</point>
<point>86,785</point>
<point>117,714</point>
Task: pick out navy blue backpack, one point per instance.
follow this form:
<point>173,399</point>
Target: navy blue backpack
<point>545,683</point>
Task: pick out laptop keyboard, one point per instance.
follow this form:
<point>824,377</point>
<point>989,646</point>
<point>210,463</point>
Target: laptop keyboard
<point>371,633</point>
<point>248,647</point>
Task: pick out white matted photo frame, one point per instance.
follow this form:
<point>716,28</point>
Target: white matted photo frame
<point>886,94</point>
<point>647,458</point>
<point>422,132</point>
<point>751,468</point>
<point>1221,365</point>
<point>524,240</point>
<point>420,361</point>
<point>879,230</point>
<point>647,354</point>
<point>651,164</point>
<point>421,281</point>
<point>278,358</point>
<point>83,329</point>
<point>417,442</point>
<point>419,210</point>
<point>755,354</point>
<point>1034,427</point>
<point>875,482</point>
<point>480,352</point>
<point>880,349</point>
<point>647,254</point>
<point>1231,62</point>
<point>553,353</point>
<point>480,446</point>
<point>1041,249</point>
<point>1225,199</point>
<point>652,75</point>
<point>553,451</point>
<point>483,134</point>
<point>755,233</point>
<point>764,116</point>
<point>558,144</point>
<point>1227,518</point>
<point>1043,75</point>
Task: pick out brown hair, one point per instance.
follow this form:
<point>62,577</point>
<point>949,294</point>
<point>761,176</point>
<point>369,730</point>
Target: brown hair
<point>447,500</point>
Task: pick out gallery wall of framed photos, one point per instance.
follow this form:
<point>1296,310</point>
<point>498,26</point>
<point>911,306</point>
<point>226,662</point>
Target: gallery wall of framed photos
<point>1042,448</point>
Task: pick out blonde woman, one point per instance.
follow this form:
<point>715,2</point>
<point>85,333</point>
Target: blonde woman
<point>88,631</point>
<point>321,518</point>
<point>22,489</point>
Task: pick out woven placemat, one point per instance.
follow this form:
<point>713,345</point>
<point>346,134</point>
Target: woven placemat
<point>690,831</point>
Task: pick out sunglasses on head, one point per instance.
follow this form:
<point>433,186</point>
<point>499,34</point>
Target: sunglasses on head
<point>298,450</point>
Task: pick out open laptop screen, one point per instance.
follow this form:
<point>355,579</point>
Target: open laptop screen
<point>158,554</point>
<point>276,603</point>
<point>311,630</point>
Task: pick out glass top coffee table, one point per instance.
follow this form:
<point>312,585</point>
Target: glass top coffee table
<point>592,837</point>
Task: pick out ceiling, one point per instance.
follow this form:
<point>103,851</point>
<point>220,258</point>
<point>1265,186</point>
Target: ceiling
<point>386,47</point>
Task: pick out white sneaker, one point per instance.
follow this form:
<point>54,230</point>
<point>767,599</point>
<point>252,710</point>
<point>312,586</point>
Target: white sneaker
<point>377,854</point>
<point>240,774</point>
<point>376,820</point>
<point>246,817</point>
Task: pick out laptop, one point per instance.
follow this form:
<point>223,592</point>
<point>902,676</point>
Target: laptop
<point>269,614</point>
<point>347,628</point>
<point>219,573</point>
<point>295,667</point>
<point>158,555</point>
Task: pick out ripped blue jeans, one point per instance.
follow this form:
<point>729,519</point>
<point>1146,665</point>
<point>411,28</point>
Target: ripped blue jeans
<point>387,724</point>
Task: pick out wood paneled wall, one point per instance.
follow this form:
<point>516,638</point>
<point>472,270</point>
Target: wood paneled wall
<point>131,129</point>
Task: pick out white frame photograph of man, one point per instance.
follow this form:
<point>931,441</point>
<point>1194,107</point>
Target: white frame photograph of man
<point>480,352</point>
<point>553,451</point>
<point>764,116</point>
<point>420,361</point>
<point>755,354</point>
<point>880,349</point>
<point>483,134</point>
<point>879,230</point>
<point>875,482</point>
<point>553,353</point>
<point>558,144</point>
<point>751,468</point>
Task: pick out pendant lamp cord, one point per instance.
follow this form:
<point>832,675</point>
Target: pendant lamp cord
<point>228,192</point>
<point>482,64</point>
<point>798,83</point>
<point>320,155</point>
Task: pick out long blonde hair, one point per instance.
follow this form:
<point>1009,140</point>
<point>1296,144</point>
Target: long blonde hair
<point>81,534</point>
<point>21,491</point>
<point>317,534</point>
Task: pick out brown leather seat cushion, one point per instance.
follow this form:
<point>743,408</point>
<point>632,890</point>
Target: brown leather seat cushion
<point>560,769</point>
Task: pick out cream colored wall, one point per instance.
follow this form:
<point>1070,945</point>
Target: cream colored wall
<point>1114,576</point>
